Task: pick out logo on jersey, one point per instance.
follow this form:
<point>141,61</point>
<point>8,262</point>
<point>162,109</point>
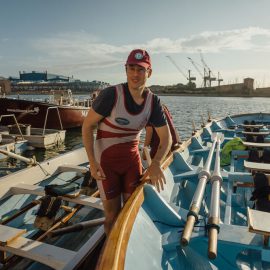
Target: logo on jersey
<point>121,121</point>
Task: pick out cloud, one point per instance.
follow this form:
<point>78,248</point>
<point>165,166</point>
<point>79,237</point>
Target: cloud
<point>80,51</point>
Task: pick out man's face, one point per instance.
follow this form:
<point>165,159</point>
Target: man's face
<point>137,76</point>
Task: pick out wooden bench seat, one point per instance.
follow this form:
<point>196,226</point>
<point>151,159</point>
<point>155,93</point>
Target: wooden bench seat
<point>252,126</point>
<point>258,145</point>
<point>72,168</point>
<point>259,222</point>
<point>39,191</point>
<point>8,234</point>
<point>255,166</point>
<point>264,133</point>
<point>50,255</point>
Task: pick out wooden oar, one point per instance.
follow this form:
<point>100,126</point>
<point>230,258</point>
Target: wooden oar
<point>30,161</point>
<point>213,221</point>
<point>193,128</point>
<point>204,176</point>
<point>77,227</point>
<point>203,124</point>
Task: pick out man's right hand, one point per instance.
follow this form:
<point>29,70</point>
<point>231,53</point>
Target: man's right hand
<point>96,171</point>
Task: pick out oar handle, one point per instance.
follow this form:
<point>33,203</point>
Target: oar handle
<point>212,243</point>
<point>213,237</point>
<point>188,230</point>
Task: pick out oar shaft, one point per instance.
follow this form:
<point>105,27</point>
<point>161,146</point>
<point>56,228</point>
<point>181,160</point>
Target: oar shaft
<point>215,197</point>
<point>199,193</point>
<point>30,161</point>
<point>197,198</point>
<point>210,156</point>
<point>214,213</point>
<point>188,227</point>
<point>78,227</point>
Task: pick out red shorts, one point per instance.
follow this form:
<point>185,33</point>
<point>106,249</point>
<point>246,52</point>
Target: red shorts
<point>122,173</point>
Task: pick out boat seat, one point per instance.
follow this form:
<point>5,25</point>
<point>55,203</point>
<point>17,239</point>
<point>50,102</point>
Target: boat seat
<point>40,191</point>
<point>259,222</point>
<point>257,145</point>
<point>72,168</point>
<point>8,234</point>
<point>256,166</point>
<point>12,241</point>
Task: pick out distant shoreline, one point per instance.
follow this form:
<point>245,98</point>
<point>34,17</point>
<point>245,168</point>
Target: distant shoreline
<point>157,93</point>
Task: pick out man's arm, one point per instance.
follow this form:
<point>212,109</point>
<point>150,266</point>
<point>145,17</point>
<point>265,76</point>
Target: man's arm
<point>147,140</point>
<point>148,135</point>
<point>89,124</point>
<point>155,172</point>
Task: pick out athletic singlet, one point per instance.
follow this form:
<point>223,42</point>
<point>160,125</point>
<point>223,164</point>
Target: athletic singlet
<point>122,127</point>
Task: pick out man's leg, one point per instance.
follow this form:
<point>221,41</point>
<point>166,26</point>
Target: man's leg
<point>112,208</point>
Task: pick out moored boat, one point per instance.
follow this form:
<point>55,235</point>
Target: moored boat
<point>213,212</point>
<point>60,111</point>
<point>39,137</point>
<point>11,144</point>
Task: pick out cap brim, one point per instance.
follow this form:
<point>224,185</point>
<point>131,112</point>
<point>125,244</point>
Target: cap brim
<point>142,64</point>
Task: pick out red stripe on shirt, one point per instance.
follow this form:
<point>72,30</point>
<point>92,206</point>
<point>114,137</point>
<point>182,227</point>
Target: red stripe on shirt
<point>107,134</point>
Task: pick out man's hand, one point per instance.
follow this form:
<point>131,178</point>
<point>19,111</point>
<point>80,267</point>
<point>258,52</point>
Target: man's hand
<point>156,175</point>
<point>96,171</point>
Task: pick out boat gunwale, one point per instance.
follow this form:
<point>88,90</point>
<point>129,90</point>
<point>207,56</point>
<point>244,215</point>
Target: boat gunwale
<point>115,247</point>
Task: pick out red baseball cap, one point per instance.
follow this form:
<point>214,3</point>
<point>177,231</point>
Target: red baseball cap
<point>139,57</point>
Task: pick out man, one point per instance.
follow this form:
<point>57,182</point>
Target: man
<point>121,112</point>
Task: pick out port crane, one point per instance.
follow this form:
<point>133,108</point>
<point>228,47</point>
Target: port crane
<point>189,78</point>
<point>207,71</point>
<point>196,67</point>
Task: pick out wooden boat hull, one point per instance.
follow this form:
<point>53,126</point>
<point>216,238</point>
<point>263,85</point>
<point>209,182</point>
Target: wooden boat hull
<point>149,231</point>
<point>34,113</point>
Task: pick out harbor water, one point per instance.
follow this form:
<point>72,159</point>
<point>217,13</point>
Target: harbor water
<point>184,109</point>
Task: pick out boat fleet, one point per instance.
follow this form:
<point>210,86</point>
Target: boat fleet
<point>213,212</point>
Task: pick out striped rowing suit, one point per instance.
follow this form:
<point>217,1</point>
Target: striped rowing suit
<point>116,147</point>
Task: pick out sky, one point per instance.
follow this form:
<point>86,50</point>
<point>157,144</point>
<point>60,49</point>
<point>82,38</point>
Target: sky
<point>91,39</point>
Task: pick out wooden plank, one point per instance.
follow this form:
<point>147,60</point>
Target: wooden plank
<point>252,126</point>
<point>8,234</point>
<point>254,144</point>
<point>72,168</point>
<point>263,167</point>
<point>39,191</point>
<point>27,189</point>
<point>52,256</point>
<point>259,221</point>
<point>256,133</point>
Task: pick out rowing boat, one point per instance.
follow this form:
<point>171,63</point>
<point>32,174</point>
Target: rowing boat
<point>213,211</point>
<point>33,236</point>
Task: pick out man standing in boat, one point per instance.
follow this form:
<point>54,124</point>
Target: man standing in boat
<point>121,112</point>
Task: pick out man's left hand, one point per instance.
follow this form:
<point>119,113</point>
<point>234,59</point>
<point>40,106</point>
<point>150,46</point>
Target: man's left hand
<point>156,175</point>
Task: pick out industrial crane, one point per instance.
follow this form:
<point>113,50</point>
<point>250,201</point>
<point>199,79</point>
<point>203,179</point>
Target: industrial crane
<point>219,79</point>
<point>207,70</point>
<point>196,67</point>
<point>189,78</point>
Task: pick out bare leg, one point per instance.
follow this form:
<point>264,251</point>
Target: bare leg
<point>111,210</point>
